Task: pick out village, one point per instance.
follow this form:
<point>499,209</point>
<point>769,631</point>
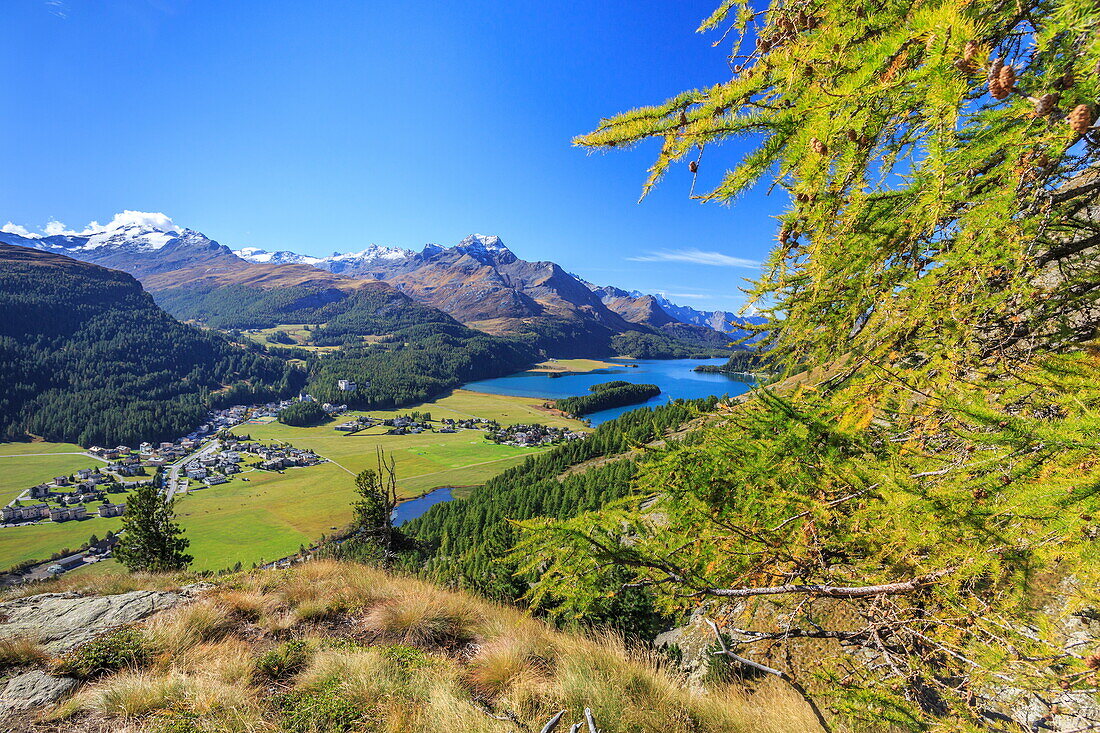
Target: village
<point>211,455</point>
<point>531,435</point>
<point>199,457</point>
<point>415,423</point>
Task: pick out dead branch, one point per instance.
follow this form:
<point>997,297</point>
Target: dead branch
<point>775,672</point>
<point>831,591</point>
<point>552,724</point>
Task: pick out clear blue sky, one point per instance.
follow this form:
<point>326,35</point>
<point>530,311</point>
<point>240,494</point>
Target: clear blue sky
<point>327,126</point>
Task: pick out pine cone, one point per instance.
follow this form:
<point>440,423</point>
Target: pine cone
<point>693,166</point>
<point>853,136</point>
<point>818,147</point>
<point>803,197</point>
<point>1092,661</point>
<point>966,67</point>
<point>784,235</point>
<point>970,50</point>
<point>1065,81</point>
<point>995,67</point>
<point>1044,105</point>
<point>1001,85</point>
<point>1081,119</point>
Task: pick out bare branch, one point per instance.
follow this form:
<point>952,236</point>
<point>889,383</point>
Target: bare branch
<point>831,591</point>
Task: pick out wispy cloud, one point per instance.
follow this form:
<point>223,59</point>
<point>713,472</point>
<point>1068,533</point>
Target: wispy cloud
<point>697,257</point>
<point>58,8</point>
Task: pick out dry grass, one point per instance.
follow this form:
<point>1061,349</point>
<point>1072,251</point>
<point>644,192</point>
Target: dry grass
<point>182,628</point>
<point>405,657</point>
<point>96,584</point>
<point>433,618</point>
<point>19,651</point>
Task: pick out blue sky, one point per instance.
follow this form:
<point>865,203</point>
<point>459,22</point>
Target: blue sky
<point>328,126</point>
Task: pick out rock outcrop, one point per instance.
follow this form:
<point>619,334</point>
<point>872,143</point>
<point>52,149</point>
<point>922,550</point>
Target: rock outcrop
<point>33,690</point>
<point>61,621</point>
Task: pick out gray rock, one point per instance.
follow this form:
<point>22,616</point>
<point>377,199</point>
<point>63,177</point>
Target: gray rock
<point>34,689</point>
<point>61,621</point>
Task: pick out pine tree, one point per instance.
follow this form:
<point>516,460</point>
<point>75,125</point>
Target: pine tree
<point>377,489</point>
<point>937,158</point>
<point>150,540</point>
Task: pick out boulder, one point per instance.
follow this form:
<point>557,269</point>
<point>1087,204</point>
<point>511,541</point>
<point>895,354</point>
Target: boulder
<point>33,690</point>
<point>61,621</point>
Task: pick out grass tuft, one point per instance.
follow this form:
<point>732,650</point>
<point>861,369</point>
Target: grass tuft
<point>425,618</point>
<point>20,651</point>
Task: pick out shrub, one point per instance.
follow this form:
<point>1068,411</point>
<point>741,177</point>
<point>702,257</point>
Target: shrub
<point>284,660</point>
<point>127,647</point>
<point>403,659</point>
<point>319,709</point>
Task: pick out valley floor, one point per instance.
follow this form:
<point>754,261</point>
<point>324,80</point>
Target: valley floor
<point>270,515</point>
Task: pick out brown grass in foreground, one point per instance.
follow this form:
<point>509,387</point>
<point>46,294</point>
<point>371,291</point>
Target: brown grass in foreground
<point>333,647</point>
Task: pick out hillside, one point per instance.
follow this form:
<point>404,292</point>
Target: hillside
<point>329,647</point>
<point>88,357</point>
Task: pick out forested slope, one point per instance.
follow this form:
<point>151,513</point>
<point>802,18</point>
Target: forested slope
<point>398,351</point>
<point>87,356</point>
<point>467,542</point>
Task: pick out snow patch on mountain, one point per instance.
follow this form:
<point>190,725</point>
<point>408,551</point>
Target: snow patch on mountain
<point>373,253</point>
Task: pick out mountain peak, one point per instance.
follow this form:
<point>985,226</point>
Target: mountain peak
<point>486,248</point>
<point>489,242</point>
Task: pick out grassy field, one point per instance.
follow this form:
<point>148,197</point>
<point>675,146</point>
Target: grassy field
<point>301,337</point>
<point>572,365</point>
<point>15,449</point>
<point>271,514</point>
<point>39,541</point>
<point>427,460</point>
<point>23,465</point>
<point>266,517</point>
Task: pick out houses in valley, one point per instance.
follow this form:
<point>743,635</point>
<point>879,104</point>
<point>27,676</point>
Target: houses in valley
<point>532,435</point>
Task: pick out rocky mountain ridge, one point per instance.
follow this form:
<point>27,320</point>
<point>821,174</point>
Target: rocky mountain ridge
<point>479,282</point>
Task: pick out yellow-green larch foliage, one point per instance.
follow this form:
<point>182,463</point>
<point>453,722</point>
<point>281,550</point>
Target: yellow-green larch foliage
<point>933,153</point>
<point>920,498</point>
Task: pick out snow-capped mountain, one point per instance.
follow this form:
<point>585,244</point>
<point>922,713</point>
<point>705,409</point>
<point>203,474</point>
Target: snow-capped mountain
<point>478,281</point>
<point>722,321</point>
<point>140,248</point>
<point>336,262</point>
<point>486,249</point>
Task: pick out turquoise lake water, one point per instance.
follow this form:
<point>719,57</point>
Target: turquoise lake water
<point>674,376</point>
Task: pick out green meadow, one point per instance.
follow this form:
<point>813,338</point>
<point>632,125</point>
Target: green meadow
<point>428,460</point>
<point>271,514</point>
<point>39,541</point>
<point>23,465</point>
